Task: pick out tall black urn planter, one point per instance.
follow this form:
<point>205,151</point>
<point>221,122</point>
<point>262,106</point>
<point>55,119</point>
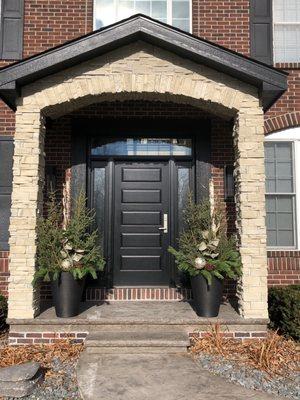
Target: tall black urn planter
<point>67,293</point>
<point>207,298</point>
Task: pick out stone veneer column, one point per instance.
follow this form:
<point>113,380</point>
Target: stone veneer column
<point>250,204</point>
<point>28,177</point>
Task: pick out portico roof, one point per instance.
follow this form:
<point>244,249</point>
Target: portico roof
<point>270,81</point>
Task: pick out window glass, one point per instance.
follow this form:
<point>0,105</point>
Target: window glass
<point>286,19</point>
<point>173,12</point>
<point>183,191</point>
<point>142,147</point>
<point>280,196</point>
<point>99,200</point>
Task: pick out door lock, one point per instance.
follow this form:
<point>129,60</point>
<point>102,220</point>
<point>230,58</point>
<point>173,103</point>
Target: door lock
<point>164,228</point>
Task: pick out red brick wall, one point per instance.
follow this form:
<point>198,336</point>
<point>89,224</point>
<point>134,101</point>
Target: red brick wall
<point>223,22</point>
<point>284,268</point>
<point>52,22</point>
<point>222,154</point>
<point>285,113</point>
<point>4,274</point>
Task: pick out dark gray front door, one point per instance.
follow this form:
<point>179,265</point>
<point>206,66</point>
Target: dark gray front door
<point>141,225</point>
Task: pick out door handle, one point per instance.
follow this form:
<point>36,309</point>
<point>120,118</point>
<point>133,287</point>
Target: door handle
<point>164,228</point>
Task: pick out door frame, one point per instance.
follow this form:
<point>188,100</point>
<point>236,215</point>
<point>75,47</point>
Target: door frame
<point>83,164</point>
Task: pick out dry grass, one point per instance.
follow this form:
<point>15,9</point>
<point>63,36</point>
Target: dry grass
<point>63,349</point>
<point>275,355</point>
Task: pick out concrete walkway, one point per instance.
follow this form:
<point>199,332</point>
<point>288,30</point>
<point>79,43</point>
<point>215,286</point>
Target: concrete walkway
<point>154,377</point>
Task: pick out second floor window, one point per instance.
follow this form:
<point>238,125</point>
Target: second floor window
<point>172,12</point>
<point>286,25</point>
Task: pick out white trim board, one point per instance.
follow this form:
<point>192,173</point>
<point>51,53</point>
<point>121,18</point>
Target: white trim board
<point>290,134</point>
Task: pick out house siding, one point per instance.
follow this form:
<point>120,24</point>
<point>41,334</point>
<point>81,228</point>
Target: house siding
<point>49,23</point>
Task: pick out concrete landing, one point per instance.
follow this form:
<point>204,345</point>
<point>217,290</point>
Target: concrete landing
<point>154,377</point>
<point>141,313</point>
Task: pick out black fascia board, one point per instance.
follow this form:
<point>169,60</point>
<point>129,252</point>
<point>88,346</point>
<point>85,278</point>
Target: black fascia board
<point>140,27</point>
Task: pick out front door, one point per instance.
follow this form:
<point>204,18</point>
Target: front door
<point>138,187</point>
<point>141,223</point>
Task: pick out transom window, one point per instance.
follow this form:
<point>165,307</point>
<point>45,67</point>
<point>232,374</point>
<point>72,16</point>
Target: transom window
<point>282,153</point>
<point>172,12</point>
<point>141,147</point>
<point>286,20</point>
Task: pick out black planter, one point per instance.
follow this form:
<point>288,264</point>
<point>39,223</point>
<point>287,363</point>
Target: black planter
<point>67,293</point>
<point>207,298</point>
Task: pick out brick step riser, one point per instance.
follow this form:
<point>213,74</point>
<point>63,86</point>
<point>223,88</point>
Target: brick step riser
<point>37,334</point>
<point>137,294</point>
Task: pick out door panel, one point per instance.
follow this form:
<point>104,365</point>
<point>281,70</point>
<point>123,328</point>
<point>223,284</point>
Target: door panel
<point>141,196</point>
<point>141,175</point>
<point>141,240</point>
<point>141,217</point>
<point>140,263</point>
<point>140,247</point>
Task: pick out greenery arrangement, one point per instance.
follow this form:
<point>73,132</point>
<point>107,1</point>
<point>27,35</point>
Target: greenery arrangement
<point>284,310</point>
<point>204,247</point>
<point>73,248</point>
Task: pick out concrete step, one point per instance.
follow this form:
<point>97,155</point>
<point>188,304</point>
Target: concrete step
<point>137,342</point>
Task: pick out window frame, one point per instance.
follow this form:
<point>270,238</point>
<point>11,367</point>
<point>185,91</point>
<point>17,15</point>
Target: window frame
<point>112,139</point>
<point>282,23</point>
<point>169,14</point>
<point>291,135</point>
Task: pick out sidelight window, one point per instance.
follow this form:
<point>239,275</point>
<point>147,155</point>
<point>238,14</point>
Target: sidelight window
<point>99,200</point>
<point>183,192</point>
<point>142,147</point>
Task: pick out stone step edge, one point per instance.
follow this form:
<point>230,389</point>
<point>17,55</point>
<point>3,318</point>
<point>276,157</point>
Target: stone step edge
<point>85,321</point>
<point>137,342</point>
<point>137,339</point>
<point>136,350</point>
<point>140,344</point>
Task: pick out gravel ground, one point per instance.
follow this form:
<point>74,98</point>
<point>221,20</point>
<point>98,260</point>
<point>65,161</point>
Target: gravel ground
<point>252,378</point>
<point>62,386</point>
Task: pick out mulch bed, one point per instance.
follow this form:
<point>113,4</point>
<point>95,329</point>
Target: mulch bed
<point>274,355</point>
<point>64,350</point>
<point>271,365</point>
<point>58,361</point>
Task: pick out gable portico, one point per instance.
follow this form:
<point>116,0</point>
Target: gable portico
<point>143,70</point>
